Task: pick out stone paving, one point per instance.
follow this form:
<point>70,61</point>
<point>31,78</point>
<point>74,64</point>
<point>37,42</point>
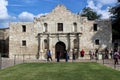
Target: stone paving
<point>6,62</point>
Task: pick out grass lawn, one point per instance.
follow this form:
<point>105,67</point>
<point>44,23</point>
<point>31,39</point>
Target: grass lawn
<point>59,71</point>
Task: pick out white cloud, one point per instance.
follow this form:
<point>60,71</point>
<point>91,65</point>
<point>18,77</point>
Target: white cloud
<point>4,16</point>
<point>105,2</point>
<point>26,16</point>
<point>105,13</point>
<point>3,9</point>
<point>92,5</point>
<point>97,5</point>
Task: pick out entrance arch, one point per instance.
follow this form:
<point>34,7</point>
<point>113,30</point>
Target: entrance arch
<point>60,47</point>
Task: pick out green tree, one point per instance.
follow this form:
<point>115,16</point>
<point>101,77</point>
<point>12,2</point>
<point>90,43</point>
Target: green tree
<point>116,20</point>
<point>90,14</point>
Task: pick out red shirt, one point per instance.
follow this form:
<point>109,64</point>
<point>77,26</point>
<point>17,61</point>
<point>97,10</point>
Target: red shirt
<point>82,52</point>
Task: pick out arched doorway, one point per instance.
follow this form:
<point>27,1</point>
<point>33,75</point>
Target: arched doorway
<point>60,47</point>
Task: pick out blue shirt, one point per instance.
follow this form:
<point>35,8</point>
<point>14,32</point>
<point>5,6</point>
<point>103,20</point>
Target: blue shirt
<point>49,54</point>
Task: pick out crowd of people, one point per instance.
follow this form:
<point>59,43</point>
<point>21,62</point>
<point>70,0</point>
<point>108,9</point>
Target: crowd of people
<point>106,54</point>
<point>66,55</point>
<point>116,56</point>
<point>49,56</point>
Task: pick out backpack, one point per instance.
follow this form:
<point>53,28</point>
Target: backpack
<point>116,55</point>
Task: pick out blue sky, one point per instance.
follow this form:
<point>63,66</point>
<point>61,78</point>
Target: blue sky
<point>43,6</point>
<point>26,10</point>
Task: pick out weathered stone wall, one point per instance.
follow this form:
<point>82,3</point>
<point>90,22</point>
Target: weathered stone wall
<point>16,37</point>
<point>104,34</point>
<point>60,14</point>
<point>56,16</point>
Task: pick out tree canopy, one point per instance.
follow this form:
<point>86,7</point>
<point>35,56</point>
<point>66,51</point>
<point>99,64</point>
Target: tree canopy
<point>116,20</point>
<point>90,14</point>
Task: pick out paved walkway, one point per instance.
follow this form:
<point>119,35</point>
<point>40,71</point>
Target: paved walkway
<point>6,62</point>
<point>110,63</point>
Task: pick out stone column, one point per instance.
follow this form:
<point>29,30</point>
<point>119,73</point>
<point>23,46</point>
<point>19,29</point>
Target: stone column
<point>58,37</point>
<point>78,46</point>
<point>41,50</point>
<point>38,53</point>
<point>48,42</point>
<point>71,47</point>
<point>68,39</point>
<point>69,44</point>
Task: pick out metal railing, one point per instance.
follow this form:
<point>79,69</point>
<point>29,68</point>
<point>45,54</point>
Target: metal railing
<point>26,58</point>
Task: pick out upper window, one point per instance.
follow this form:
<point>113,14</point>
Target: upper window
<point>95,27</point>
<point>60,26</point>
<point>23,28</point>
<point>24,43</point>
<point>45,26</point>
<point>45,44</point>
<point>75,26</point>
<point>97,42</point>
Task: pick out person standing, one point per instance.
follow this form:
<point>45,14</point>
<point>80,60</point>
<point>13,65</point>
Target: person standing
<point>116,57</point>
<point>58,56</point>
<point>96,54</point>
<point>91,54</point>
<point>73,54</point>
<point>111,54</point>
<point>82,53</point>
<point>106,53</point>
<point>49,55</point>
<point>66,55</point>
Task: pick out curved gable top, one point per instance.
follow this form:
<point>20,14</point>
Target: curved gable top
<point>60,8</point>
<point>59,12</point>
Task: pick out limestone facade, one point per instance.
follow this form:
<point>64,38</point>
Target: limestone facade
<point>59,30</point>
